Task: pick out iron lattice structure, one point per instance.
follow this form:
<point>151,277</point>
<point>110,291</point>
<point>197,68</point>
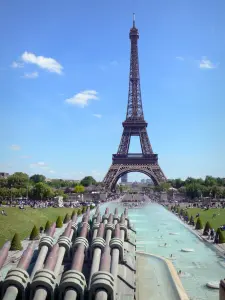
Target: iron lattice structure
<point>134,125</point>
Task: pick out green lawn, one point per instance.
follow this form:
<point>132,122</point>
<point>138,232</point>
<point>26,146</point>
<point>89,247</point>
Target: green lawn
<point>206,215</point>
<point>22,221</point>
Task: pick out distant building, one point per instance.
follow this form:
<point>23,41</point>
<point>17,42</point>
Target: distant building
<point>124,178</point>
<point>4,175</point>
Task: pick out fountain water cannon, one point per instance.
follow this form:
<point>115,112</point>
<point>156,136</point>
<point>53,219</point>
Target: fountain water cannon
<point>64,242</point>
<point>97,212</point>
<point>102,282</point>
<point>127,220</point>
<point>99,241</point>
<point>109,228</point>
<point>123,228</point>
<point>116,217</point>
<point>65,239</point>
<point>116,245</point>
<point>43,284</point>
<point>74,226</point>
<point>85,220</point>
<point>4,253</point>
<point>105,217</point>
<point>16,280</point>
<point>96,225</point>
<point>97,247</point>
<point>73,281</point>
<point>45,246</point>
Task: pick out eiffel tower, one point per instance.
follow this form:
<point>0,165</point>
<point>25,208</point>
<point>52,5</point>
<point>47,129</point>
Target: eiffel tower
<point>135,125</point>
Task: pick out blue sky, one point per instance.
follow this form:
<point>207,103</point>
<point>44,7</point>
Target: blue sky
<point>64,70</point>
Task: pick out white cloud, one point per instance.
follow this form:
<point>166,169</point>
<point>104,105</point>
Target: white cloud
<point>180,58</point>
<point>30,75</point>
<point>16,65</point>
<point>97,116</point>
<point>15,147</point>
<point>205,63</point>
<point>81,99</point>
<point>51,171</point>
<point>40,164</point>
<point>42,62</point>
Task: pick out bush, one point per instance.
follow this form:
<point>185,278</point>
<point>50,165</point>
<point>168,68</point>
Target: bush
<point>84,209</point>
<point>34,234</point>
<point>47,226</point>
<point>16,243</point>
<point>199,224</point>
<point>220,239</point>
<point>59,222</point>
<point>66,219</point>
<point>73,213</point>
<point>207,228</point>
<point>79,211</point>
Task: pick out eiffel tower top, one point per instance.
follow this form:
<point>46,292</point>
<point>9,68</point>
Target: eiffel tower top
<point>134,106</point>
<point>133,19</point>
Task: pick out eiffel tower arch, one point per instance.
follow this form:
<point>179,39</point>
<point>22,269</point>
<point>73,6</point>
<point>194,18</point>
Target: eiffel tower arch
<point>135,125</point>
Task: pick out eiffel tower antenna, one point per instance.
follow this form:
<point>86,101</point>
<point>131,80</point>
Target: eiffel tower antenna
<point>133,19</point>
<point>124,162</point>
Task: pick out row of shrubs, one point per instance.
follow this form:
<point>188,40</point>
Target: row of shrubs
<point>198,225</point>
<point>34,235</point>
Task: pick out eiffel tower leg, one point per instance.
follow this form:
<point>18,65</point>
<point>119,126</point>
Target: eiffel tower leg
<point>124,143</point>
<point>158,174</point>
<point>110,176</point>
<point>145,143</point>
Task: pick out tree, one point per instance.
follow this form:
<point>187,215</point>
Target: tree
<point>47,226</point>
<point>59,222</point>
<point>34,234</point>
<point>199,224</point>
<point>4,193</point>
<point>16,243</point>
<point>88,180</point>
<point>3,182</point>
<point>66,219</point>
<point>79,189</point>
<point>210,181</point>
<point>18,180</point>
<point>182,189</point>
<point>42,191</point>
<point>207,228</point>
<point>37,178</point>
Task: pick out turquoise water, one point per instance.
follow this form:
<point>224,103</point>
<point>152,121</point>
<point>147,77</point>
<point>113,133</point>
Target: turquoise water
<point>154,225</point>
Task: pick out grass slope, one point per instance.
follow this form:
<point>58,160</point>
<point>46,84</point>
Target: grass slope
<point>207,215</point>
<point>22,221</point>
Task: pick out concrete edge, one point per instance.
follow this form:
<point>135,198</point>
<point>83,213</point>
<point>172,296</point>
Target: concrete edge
<point>176,280</point>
